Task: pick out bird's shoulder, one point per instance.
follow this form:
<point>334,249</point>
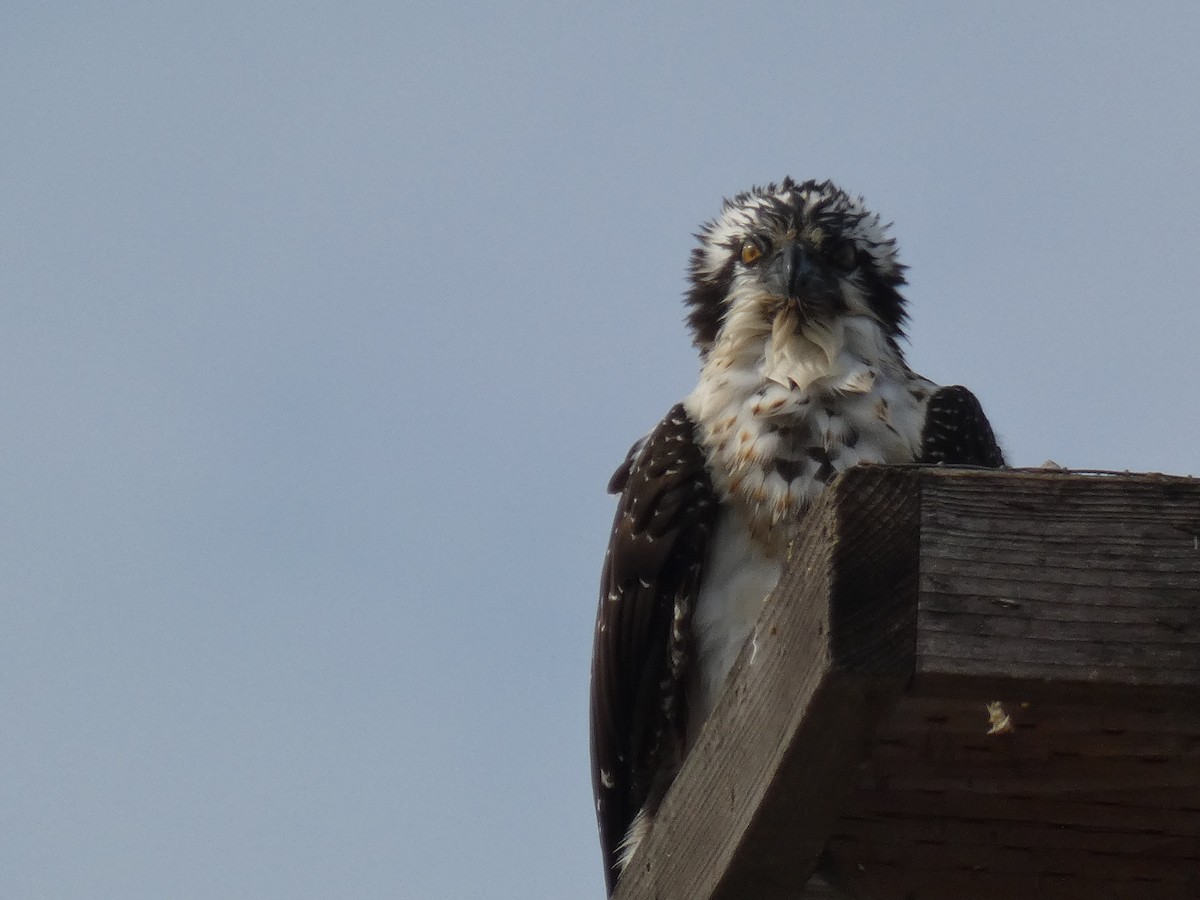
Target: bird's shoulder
<point>957,431</point>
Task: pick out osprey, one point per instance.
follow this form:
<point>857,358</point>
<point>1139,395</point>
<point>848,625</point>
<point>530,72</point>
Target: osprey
<point>795,307</point>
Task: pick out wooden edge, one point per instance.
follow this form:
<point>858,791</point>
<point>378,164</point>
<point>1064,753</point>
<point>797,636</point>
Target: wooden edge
<point>1059,584</point>
<point>753,807</point>
<point>856,614</point>
<point>957,686</point>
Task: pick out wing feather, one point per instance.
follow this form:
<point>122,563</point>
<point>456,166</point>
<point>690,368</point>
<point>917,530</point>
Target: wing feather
<point>957,432</point>
<point>648,589</point>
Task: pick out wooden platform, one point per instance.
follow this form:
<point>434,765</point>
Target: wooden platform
<point>969,685</point>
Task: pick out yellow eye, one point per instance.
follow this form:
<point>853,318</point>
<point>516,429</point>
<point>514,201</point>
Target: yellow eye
<point>751,253</point>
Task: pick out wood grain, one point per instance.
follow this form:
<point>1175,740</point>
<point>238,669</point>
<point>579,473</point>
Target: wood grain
<point>775,764</point>
<point>1075,601</point>
<point>856,722</point>
<point>1070,579</point>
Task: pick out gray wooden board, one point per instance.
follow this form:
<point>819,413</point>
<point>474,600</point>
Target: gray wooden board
<point>1072,599</point>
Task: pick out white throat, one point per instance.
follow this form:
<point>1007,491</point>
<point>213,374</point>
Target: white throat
<point>782,406</point>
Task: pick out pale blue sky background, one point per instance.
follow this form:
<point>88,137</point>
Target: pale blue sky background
<point>323,325</point>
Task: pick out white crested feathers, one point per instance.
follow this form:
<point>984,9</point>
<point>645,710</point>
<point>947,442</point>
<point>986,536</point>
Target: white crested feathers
<point>721,238</point>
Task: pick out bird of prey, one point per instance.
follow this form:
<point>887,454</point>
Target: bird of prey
<point>795,307</point>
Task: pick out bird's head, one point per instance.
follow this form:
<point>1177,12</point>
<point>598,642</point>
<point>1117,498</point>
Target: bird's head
<point>807,251</point>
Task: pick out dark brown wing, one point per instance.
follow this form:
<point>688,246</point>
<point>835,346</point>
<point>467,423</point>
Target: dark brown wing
<point>648,589</point>
<point>956,431</point>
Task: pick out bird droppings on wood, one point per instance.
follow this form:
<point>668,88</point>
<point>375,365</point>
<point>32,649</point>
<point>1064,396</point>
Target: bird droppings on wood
<point>999,721</point>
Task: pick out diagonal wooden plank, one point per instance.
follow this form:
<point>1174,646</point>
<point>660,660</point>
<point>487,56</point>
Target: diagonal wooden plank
<point>751,811</point>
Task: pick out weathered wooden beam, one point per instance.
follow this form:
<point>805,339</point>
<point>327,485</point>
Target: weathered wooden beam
<point>752,808</point>
<point>1070,605</point>
<point>1073,600</point>
<point>1076,582</point>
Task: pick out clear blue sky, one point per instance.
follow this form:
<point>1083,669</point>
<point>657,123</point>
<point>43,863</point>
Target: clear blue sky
<point>323,326</point>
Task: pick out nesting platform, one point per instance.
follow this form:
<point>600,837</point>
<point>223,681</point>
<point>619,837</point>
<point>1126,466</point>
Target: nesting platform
<point>968,684</point>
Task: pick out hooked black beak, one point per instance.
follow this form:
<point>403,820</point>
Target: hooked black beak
<point>796,275</point>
